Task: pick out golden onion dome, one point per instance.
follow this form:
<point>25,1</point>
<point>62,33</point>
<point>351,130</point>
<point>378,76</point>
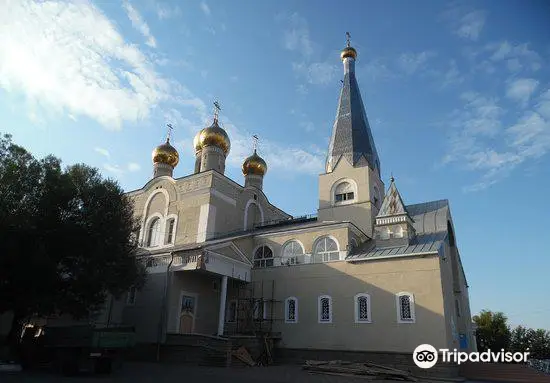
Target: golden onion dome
<point>348,52</point>
<point>196,141</point>
<point>254,165</point>
<point>213,136</point>
<point>166,154</point>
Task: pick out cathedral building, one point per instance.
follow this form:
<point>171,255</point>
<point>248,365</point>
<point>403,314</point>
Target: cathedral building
<point>369,273</point>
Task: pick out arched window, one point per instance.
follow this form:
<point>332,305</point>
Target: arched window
<point>405,308</point>
<point>291,252</point>
<point>153,234</point>
<point>170,230</point>
<point>362,308</point>
<point>325,309</point>
<point>263,257</point>
<point>291,310</point>
<point>326,249</point>
<point>344,193</point>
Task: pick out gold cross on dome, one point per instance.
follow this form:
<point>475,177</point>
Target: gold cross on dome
<point>217,109</point>
<point>255,142</point>
<point>169,135</point>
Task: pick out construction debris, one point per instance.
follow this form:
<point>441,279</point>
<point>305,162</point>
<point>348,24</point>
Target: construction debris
<point>369,371</point>
<point>242,354</point>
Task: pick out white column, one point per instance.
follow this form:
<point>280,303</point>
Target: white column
<point>223,297</point>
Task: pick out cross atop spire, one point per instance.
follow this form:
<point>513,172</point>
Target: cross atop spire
<point>217,109</point>
<point>255,142</point>
<point>169,134</point>
<point>348,39</point>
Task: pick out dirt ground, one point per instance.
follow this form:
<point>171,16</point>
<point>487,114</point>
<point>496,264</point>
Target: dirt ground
<point>169,373</point>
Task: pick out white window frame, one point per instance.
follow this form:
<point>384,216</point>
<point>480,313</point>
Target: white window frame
<point>131,302</point>
<point>325,253</point>
<point>353,186</point>
<point>148,233</point>
<point>254,259</point>
<point>398,306</point>
<point>356,308</point>
<point>320,309</point>
<point>287,319</point>
<point>293,260</point>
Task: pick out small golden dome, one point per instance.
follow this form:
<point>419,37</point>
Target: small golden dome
<point>166,154</point>
<point>254,165</point>
<point>196,141</point>
<point>215,136</point>
<point>348,52</point>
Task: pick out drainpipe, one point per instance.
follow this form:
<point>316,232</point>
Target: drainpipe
<point>163,312</point>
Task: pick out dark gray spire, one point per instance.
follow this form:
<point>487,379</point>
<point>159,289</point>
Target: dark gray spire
<point>351,134</point>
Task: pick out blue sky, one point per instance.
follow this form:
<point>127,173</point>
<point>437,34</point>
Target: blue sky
<point>457,94</point>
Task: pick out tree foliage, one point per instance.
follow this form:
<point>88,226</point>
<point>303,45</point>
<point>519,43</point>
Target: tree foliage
<point>494,333</point>
<point>65,236</point>
<point>492,330</point>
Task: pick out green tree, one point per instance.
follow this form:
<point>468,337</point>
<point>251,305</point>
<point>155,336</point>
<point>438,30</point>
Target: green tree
<point>65,237</point>
<point>539,343</point>
<point>519,339</point>
<point>492,331</point>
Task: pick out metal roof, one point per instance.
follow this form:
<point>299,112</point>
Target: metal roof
<point>424,243</point>
<point>430,223</point>
<point>351,134</point>
<point>430,217</point>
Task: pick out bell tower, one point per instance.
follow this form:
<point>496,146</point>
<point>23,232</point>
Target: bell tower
<point>351,188</point>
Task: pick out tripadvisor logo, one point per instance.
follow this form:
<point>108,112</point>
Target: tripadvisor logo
<point>426,356</point>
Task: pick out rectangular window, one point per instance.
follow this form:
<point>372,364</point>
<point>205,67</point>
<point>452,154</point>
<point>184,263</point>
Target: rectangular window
<point>344,197</point>
<point>457,304</point>
<point>131,296</point>
<point>405,308</point>
<point>291,310</point>
<point>325,309</point>
<point>170,231</point>
<point>362,308</point>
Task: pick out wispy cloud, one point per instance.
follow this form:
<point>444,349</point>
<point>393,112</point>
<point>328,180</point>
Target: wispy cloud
<point>413,62</point>
<point>102,151</point>
<point>296,34</point>
<point>483,140</point>
<point>516,56</point>
<point>120,170</point>
<point>139,24</point>
<point>115,169</point>
<point>86,68</point>
<point>234,78</point>
<point>82,67</point>
<point>318,73</point>
<point>521,89</point>
<point>465,23</point>
<point>164,11</point>
<point>471,24</point>
<point>280,158</point>
<point>133,167</point>
<point>205,8</point>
